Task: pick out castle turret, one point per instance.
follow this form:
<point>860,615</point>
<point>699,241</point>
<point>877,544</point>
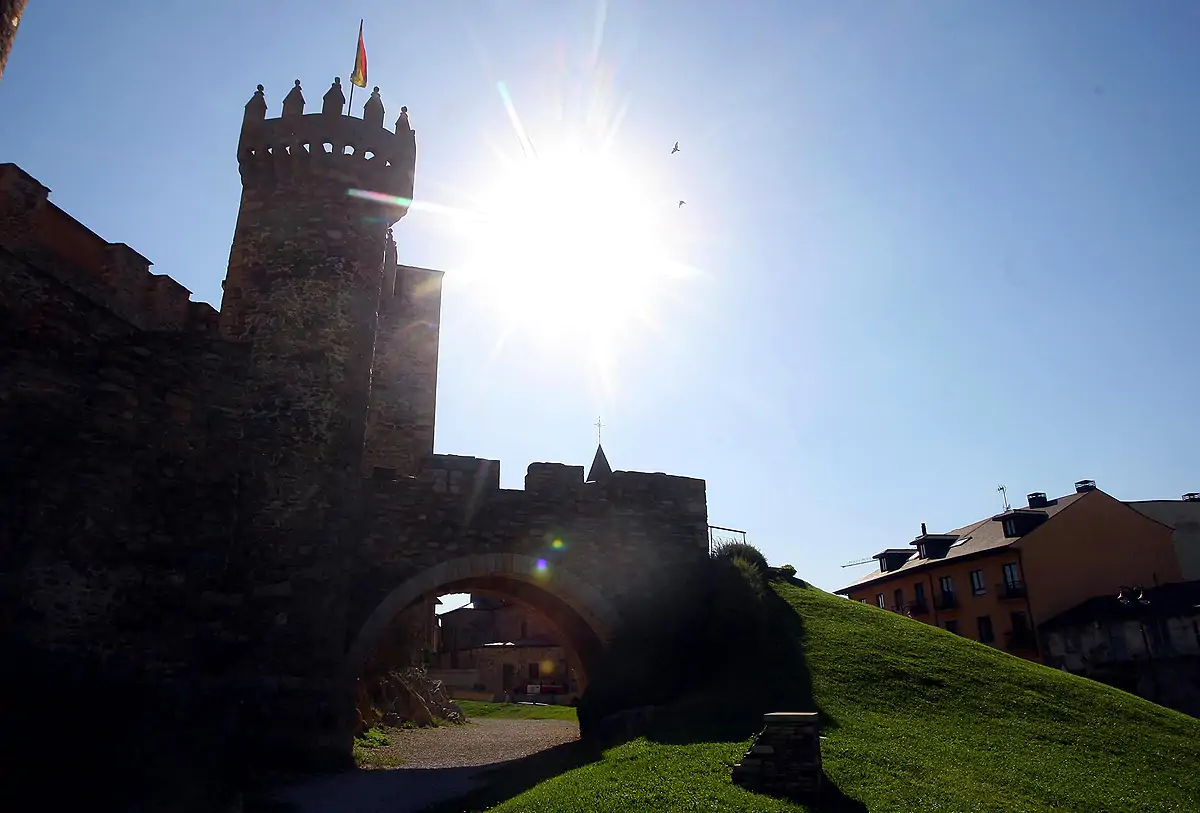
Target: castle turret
<point>319,193</point>
<point>10,18</point>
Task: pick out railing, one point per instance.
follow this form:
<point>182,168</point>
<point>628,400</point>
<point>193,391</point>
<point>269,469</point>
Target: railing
<point>715,540</point>
<point>918,608</point>
<point>1013,590</point>
<point>946,601</point>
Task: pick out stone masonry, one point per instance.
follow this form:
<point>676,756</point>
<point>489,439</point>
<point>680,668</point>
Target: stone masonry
<point>10,18</point>
<point>241,502</point>
<point>785,758</point>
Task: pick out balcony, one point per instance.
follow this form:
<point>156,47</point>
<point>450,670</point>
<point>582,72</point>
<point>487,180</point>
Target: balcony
<point>946,601</point>
<point>1021,640</point>
<point>918,608</point>
<point>1013,590</point>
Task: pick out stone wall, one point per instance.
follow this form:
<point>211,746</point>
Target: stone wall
<point>111,275</point>
<point>400,421</point>
<point>633,537</point>
<point>119,499</point>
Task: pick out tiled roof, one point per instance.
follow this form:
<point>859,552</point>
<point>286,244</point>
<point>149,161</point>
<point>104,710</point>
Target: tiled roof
<point>981,535</point>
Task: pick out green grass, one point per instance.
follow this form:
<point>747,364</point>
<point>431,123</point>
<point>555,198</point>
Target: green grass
<point>516,711</point>
<point>367,753</point>
<point>919,720</point>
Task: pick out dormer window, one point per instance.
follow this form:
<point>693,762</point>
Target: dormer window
<point>934,546</point>
<point>1020,521</point>
<point>892,559</point>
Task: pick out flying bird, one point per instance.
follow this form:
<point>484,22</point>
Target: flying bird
<point>675,149</point>
<point>680,206</point>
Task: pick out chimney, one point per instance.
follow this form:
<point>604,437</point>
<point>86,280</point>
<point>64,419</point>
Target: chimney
<point>1085,485</point>
<point>923,531</point>
<point>1192,496</point>
<point>1038,499</point>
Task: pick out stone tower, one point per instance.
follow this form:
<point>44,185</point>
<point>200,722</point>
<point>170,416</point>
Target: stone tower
<point>10,18</point>
<point>320,192</point>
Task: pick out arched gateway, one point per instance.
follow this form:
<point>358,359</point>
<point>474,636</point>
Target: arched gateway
<point>583,554</point>
<point>582,615</point>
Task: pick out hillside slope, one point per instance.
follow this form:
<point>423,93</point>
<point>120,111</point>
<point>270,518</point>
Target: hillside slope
<point>919,720</point>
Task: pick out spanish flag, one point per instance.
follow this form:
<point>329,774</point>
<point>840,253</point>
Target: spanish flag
<point>359,75</point>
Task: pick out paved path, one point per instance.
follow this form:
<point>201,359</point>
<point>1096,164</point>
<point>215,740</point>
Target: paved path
<point>439,764</point>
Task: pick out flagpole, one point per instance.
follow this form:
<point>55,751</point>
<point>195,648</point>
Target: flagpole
<point>350,106</point>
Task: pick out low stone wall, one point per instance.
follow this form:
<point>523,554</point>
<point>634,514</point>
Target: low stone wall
<point>785,758</point>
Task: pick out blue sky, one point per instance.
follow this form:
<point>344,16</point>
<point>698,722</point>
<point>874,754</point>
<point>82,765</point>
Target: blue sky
<point>934,246</point>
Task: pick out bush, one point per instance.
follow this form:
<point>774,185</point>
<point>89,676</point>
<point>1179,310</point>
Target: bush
<point>372,738</point>
<point>786,572</point>
<point>741,550</point>
<point>673,647</point>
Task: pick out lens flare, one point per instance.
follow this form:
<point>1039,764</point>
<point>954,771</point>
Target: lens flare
<point>557,544</point>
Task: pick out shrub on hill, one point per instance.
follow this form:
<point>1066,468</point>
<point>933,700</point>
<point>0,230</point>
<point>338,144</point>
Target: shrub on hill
<point>741,550</point>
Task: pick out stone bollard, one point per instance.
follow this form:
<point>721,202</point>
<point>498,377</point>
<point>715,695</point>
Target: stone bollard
<point>785,758</point>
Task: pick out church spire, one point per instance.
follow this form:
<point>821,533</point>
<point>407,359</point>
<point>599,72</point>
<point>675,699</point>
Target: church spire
<point>600,470</point>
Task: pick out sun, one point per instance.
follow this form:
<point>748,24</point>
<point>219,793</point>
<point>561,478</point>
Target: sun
<point>571,243</point>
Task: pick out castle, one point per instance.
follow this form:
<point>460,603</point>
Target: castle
<point>241,502</point>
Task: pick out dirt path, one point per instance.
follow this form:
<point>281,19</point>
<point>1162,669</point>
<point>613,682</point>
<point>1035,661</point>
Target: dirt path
<point>440,764</point>
<point>479,742</point>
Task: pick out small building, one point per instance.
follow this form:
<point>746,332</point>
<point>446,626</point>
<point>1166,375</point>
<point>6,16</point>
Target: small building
<point>1145,641</point>
<point>494,648</point>
<point>995,579</point>
<point>1183,515</point>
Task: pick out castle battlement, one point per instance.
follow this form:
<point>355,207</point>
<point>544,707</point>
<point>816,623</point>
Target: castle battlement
<point>353,153</point>
<point>451,479</point>
<point>112,275</point>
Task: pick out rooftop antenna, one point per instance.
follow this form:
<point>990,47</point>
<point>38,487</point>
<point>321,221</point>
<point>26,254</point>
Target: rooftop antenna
<point>859,562</point>
<point>1003,490</point>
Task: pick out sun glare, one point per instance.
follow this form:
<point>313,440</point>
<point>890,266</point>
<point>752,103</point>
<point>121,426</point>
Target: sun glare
<point>570,243</point>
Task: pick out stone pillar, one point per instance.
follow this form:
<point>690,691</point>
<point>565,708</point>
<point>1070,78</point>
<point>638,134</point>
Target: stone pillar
<point>10,18</point>
<point>785,758</point>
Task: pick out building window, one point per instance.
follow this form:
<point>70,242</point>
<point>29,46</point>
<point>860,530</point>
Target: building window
<point>946,584</point>
<point>898,597</point>
<point>1020,623</point>
<point>534,671</point>
<point>952,626</point>
<point>1012,576</point>
<point>919,592</point>
<point>978,587</point>
<point>880,600</point>
<point>986,634</point>
<point>1010,527</point>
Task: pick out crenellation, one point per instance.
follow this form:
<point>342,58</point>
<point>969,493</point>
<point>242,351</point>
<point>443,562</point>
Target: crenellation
<point>112,275</point>
<point>327,147</point>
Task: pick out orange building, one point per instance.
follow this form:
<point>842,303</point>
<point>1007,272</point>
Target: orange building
<point>996,579</point>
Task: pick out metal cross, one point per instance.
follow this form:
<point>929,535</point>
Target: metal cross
<point>598,426</point>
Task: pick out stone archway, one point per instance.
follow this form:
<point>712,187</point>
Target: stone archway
<point>584,617</point>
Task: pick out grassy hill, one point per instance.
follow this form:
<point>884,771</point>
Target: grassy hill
<point>917,720</point>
